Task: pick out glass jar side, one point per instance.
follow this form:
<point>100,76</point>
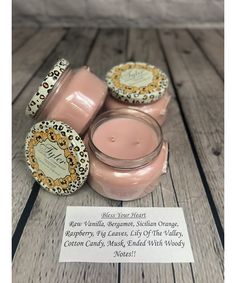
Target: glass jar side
<point>157,109</point>
<point>125,179</point>
<point>126,184</point>
<point>76,99</point>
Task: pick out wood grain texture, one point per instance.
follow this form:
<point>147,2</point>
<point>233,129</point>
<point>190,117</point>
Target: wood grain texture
<point>109,50</point>
<point>36,259</point>
<point>221,32</point>
<point>27,60</point>
<point>45,226</point>
<point>147,272</point>
<point>44,232</point>
<point>75,48</point>
<point>182,187</point>
<point>143,46</point>
<point>212,45</point>
<point>201,94</point>
<point>20,36</point>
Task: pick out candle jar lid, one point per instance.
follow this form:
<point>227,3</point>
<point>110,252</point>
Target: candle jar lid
<point>57,157</point>
<point>136,82</point>
<point>46,87</point>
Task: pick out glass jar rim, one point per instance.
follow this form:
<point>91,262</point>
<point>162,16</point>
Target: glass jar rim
<point>132,114</point>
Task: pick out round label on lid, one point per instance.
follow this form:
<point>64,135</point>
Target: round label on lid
<point>46,86</point>
<point>57,157</point>
<point>137,82</point>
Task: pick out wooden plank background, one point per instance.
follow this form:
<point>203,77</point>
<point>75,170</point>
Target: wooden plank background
<point>201,96</point>
<point>212,46</point>
<point>194,130</point>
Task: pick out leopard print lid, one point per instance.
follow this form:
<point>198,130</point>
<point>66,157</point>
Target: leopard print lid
<point>57,157</point>
<point>46,86</point>
<point>136,82</point>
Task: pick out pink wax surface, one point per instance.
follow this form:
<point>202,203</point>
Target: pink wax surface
<point>157,109</point>
<point>77,100</point>
<point>125,138</point>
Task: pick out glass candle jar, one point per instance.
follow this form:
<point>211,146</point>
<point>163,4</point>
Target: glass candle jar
<point>127,154</point>
<point>73,96</point>
<point>140,86</point>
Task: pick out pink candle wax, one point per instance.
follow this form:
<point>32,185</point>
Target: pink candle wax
<point>77,101</point>
<point>127,154</point>
<point>157,109</point>
<point>125,138</point>
<point>73,96</point>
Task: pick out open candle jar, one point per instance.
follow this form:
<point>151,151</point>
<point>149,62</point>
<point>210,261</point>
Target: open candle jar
<point>140,86</point>
<point>127,154</point>
<point>73,96</point>
<point>123,155</point>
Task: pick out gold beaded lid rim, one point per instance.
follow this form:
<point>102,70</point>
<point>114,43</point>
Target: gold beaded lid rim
<point>151,92</point>
<point>74,151</point>
<point>46,86</point>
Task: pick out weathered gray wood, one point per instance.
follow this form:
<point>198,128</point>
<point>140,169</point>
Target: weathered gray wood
<point>36,259</point>
<point>182,187</point>
<point>20,36</point>
<point>27,60</point>
<point>221,32</point>
<point>37,256</point>
<point>45,226</point>
<point>200,91</point>
<point>75,48</point>
<point>212,45</point>
<point>147,272</point>
<point>142,46</point>
<point>108,51</point>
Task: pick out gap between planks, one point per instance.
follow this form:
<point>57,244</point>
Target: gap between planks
<point>51,58</point>
<point>200,93</point>
<point>194,150</point>
<point>55,206</point>
<point>146,267</point>
<point>19,119</point>
<point>24,217</point>
<point>28,59</point>
<point>147,49</point>
<point>20,36</point>
<point>212,46</point>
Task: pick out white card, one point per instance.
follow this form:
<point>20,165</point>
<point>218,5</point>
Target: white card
<point>125,234</point>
